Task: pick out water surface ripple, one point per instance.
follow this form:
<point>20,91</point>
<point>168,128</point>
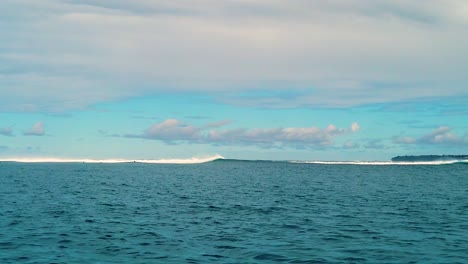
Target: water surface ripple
<point>232,212</point>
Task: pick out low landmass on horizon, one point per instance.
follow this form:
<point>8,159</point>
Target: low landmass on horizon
<point>429,158</point>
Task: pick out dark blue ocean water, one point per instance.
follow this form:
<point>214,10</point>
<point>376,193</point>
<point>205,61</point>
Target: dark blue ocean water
<point>232,212</point>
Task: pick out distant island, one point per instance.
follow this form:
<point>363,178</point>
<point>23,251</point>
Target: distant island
<point>430,158</point>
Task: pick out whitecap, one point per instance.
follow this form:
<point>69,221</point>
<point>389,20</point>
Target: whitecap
<point>382,163</point>
<point>192,160</point>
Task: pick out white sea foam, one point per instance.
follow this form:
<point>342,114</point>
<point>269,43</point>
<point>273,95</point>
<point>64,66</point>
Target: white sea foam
<point>383,163</point>
<point>193,160</point>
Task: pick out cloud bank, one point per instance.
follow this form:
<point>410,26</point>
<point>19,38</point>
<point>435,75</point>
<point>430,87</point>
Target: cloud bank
<point>442,135</point>
<point>63,55</point>
<point>173,131</point>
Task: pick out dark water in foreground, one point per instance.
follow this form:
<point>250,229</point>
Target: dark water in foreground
<point>232,212</point>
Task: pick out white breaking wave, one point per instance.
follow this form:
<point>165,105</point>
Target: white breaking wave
<point>193,160</point>
<point>383,163</point>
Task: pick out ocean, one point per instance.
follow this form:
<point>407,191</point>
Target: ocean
<point>233,211</point>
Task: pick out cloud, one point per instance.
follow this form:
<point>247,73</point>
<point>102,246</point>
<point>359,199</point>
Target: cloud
<point>355,127</point>
<point>36,130</point>
<point>297,137</point>
<point>6,131</point>
<point>333,53</point>
<point>170,130</point>
<point>173,130</point>
<point>404,140</point>
<point>375,144</point>
<point>350,145</point>
<point>106,133</point>
<point>442,135</point>
<point>273,136</point>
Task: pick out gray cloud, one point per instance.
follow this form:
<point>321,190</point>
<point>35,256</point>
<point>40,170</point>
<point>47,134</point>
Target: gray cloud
<point>173,130</point>
<point>274,136</point>
<point>6,131</point>
<point>375,144</point>
<point>336,54</point>
<point>106,133</point>
<point>403,140</point>
<point>36,130</point>
<point>170,130</point>
<point>350,145</point>
<point>442,135</point>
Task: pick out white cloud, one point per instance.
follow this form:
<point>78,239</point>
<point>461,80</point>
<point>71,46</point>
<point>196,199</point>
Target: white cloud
<point>36,130</point>
<point>173,130</point>
<point>355,127</point>
<point>76,53</point>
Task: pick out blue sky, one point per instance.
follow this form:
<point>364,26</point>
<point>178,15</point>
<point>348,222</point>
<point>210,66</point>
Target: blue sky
<point>265,79</point>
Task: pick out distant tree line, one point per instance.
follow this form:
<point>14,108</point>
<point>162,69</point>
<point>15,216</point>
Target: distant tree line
<point>430,158</point>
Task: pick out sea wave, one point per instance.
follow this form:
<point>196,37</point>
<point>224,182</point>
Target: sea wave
<point>383,163</point>
<point>193,160</point>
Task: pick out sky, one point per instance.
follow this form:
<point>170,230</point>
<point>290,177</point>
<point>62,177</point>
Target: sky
<point>258,79</point>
